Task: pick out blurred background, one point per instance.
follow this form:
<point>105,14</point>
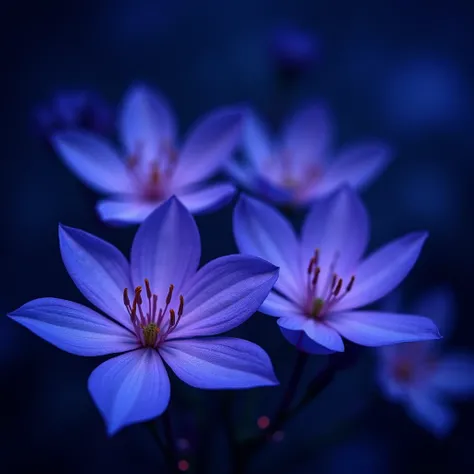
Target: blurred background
<point>402,72</point>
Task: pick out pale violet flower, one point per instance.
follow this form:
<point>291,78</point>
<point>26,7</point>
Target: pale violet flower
<point>423,377</point>
<point>324,279</point>
<point>300,166</point>
<point>152,167</point>
<point>159,307</point>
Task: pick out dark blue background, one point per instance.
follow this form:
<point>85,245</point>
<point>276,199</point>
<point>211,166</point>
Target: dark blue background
<point>402,72</point>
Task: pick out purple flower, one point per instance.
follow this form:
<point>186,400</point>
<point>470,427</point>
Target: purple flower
<point>297,169</point>
<point>423,378</point>
<point>74,110</point>
<point>323,277</point>
<point>159,307</point>
<point>152,168</point>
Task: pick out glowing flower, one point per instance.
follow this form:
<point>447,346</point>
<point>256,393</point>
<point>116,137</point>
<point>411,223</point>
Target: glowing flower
<point>298,169</point>
<point>423,378</point>
<point>323,277</point>
<point>158,307</point>
<point>152,168</point>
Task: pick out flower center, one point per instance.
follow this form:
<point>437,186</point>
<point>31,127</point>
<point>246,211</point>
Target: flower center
<point>152,176</point>
<point>321,296</point>
<point>151,324</point>
<point>403,371</point>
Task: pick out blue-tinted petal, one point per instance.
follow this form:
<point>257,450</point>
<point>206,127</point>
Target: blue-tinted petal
<point>207,199</point>
<point>223,294</point>
<point>219,363</point>
<point>453,376</point>
<point>74,328</point>
<point>121,212</point>
<point>256,142</point>
<point>166,249</point>
<point>304,343</point>
<point>94,161</point>
<point>276,305</point>
<point>98,269</point>
<point>130,388</point>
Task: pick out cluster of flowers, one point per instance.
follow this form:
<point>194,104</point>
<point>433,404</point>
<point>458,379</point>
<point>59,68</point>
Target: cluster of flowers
<point>160,308</point>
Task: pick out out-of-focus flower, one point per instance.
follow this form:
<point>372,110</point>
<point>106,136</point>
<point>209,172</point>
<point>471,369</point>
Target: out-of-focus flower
<point>298,169</point>
<point>152,168</point>
<point>74,110</point>
<point>158,307</point>
<point>323,277</point>
<point>421,376</point>
<point>293,50</point>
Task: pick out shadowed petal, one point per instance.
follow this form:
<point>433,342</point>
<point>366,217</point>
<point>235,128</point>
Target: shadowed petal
<point>125,212</point>
<point>371,328</point>
<point>207,199</point>
<point>256,141</point>
<point>219,363</point>
<point>260,230</point>
<point>166,249</point>
<point>208,146</point>
<point>453,376</point>
<point>303,343</point>
<point>318,332</point>
<point>276,305</point>
<point>98,269</point>
<point>356,166</point>
<point>383,271</point>
<point>94,161</point>
<point>130,388</point>
<point>339,227</point>
<point>147,124</point>
<point>223,294</point>
<point>74,328</point>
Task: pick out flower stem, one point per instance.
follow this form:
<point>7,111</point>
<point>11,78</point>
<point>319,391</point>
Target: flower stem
<point>170,440</point>
<point>167,454</point>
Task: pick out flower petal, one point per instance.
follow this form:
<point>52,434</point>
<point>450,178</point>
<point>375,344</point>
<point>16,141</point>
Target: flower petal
<point>166,249</point>
<point>98,269</point>
<point>371,328</point>
<point>208,146</point>
<point>147,124</point>
<point>207,199</point>
<point>219,363</point>
<point>223,294</point>
<point>434,415</point>
<point>453,376</point>
<point>256,141</point>
<point>74,328</point>
<point>276,305</point>
<point>356,166</point>
<point>130,388</point>
<point>339,227</point>
<point>94,161</point>
<point>383,271</point>
<point>303,343</point>
<point>318,332</point>
<point>125,211</point>
<point>261,230</point>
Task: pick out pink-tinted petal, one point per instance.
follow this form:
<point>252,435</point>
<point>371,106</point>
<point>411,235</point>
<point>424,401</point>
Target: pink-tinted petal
<point>261,230</point>
<point>125,211</point>
<point>276,305</point>
<point>454,376</point>
<point>432,414</point>
<point>318,332</point>
<point>147,125</point>
<point>338,226</point>
<point>94,161</point>
<point>304,343</point>
<point>371,328</point>
<point>74,328</point>
<point>208,146</point>
<point>383,271</point>
<point>98,269</point>
<point>207,199</point>
<point>219,363</point>
<point>130,388</point>
<point>256,141</point>
<point>223,294</point>
<point>166,249</point>
<point>356,166</point>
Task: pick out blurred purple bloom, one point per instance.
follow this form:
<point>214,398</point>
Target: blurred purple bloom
<point>152,169</point>
<point>296,169</point>
<point>74,110</point>
<point>158,307</point>
<point>424,379</point>
<point>323,277</point>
